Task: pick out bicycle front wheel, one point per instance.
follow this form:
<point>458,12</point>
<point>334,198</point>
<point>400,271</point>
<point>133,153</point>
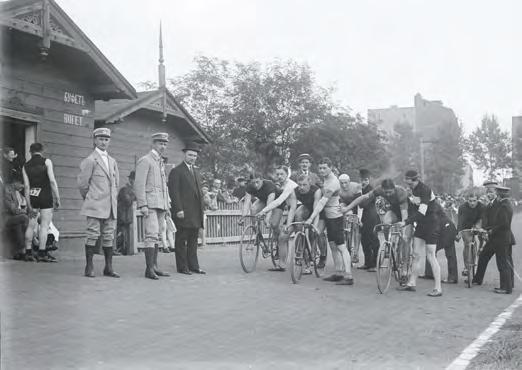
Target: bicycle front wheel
<point>249,249</point>
<point>384,268</point>
<point>297,257</point>
<point>470,265</point>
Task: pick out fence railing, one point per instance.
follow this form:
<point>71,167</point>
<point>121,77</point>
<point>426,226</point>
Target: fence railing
<point>220,226</point>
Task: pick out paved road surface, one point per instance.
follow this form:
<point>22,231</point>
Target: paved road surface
<point>54,318</point>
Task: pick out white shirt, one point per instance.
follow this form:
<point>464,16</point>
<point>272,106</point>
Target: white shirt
<point>105,157</point>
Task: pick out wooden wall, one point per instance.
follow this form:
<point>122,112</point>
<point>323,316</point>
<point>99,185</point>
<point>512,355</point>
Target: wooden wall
<point>64,126</point>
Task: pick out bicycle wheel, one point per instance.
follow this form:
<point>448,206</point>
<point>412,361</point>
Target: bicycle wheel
<point>384,268</point>
<point>315,252</point>
<point>274,249</point>
<point>471,264</point>
<point>355,244</point>
<point>297,257</point>
<point>249,249</point>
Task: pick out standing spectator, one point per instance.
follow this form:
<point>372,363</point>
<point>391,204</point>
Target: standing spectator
<point>41,194</point>
<point>153,201</point>
<point>209,199</point>
<point>240,190</point>
<point>98,184</point>
<point>126,197</point>
<point>222,196</point>
<point>17,221</point>
<point>369,219</point>
<point>305,164</point>
<point>10,169</point>
<point>185,192</point>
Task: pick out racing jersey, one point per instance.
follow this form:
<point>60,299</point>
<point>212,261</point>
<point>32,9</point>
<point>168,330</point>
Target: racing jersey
<point>307,199</point>
<point>332,209</point>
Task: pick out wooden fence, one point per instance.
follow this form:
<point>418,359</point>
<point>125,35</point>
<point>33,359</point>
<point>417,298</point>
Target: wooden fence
<point>220,226</point>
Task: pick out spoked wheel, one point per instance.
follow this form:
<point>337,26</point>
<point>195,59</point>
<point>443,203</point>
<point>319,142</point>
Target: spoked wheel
<point>249,249</point>
<point>355,245</point>
<point>274,249</point>
<point>316,256</point>
<point>384,268</point>
<point>297,257</point>
<point>470,265</point>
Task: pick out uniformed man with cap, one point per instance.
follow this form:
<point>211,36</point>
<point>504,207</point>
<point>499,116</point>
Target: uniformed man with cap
<point>153,201</point>
<point>98,184</point>
<point>500,242</point>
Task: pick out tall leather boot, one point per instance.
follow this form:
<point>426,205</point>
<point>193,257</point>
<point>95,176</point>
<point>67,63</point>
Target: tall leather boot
<point>149,261</point>
<point>89,266</point>
<point>156,268</point>
<point>108,271</point>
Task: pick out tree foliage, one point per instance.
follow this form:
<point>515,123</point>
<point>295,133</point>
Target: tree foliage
<point>490,147</point>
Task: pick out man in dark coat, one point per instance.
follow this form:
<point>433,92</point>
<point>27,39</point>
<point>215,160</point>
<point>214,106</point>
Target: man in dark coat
<point>369,219</point>
<point>501,240</point>
<point>187,210</point>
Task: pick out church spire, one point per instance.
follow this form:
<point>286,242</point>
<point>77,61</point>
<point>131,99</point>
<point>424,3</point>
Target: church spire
<point>161,78</point>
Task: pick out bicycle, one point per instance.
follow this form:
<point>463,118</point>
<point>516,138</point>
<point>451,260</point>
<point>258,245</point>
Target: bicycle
<point>252,239</point>
<point>391,257</point>
<point>474,252</point>
<point>305,252</point>
<point>351,236</point>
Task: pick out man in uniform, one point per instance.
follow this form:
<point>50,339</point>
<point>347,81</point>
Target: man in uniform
<point>152,197</point>
<point>98,184</point>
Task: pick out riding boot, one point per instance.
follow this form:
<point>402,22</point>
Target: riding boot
<point>89,266</point>
<point>108,271</point>
<point>149,261</point>
<point>156,268</point>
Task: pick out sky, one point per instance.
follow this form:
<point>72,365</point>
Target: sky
<point>375,53</point>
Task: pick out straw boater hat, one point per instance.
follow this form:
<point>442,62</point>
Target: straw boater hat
<point>304,156</point>
<point>101,132</point>
<point>490,184</point>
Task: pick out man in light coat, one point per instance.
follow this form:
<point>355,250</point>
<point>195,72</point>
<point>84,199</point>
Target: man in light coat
<point>98,184</point>
<point>153,201</point>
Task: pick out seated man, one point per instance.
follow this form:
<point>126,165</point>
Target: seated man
<point>285,194</point>
<point>17,220</point>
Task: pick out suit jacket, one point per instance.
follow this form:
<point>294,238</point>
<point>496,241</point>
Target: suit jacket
<point>185,192</point>
<point>150,185</point>
<point>11,204</point>
<point>99,186</point>
<point>499,217</point>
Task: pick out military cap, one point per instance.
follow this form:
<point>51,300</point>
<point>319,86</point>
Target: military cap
<point>160,136</point>
<point>192,146</point>
<point>101,132</point>
<point>304,156</point>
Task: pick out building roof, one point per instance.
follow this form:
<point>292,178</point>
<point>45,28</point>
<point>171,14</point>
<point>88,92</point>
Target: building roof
<point>116,110</point>
<point>45,19</point>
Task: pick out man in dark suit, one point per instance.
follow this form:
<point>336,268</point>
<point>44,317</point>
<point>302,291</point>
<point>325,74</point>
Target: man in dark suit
<point>187,208</point>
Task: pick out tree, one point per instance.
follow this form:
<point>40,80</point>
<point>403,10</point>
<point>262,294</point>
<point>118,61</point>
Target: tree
<point>251,111</point>
<point>490,147</point>
<point>404,152</point>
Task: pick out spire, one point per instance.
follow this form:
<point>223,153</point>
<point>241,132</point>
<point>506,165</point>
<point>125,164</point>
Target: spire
<point>161,78</point>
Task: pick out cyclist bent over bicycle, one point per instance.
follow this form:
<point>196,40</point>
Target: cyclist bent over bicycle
<point>470,217</point>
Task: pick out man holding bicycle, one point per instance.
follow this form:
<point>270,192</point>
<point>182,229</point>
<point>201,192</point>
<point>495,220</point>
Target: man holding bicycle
<point>349,192</point>
<point>469,217</point>
<point>329,203</point>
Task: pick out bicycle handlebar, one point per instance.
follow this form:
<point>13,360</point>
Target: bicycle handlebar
<point>474,231</point>
<point>388,226</point>
<point>305,225</point>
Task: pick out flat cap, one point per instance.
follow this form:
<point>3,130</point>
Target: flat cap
<point>160,136</point>
<point>304,156</point>
<point>101,132</point>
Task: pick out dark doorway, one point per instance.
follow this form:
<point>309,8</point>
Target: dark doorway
<point>14,133</point>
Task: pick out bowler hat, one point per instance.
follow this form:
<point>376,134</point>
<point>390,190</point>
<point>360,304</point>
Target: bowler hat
<point>364,173</point>
<point>490,183</point>
<point>411,174</point>
<point>192,146</point>
<point>101,132</point>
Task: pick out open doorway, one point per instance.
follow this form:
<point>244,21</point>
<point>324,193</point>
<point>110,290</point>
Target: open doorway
<point>19,135</point>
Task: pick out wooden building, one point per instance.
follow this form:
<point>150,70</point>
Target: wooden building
<point>56,87</point>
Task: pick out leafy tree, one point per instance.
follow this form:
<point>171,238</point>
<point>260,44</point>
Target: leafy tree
<point>490,147</point>
<point>404,152</point>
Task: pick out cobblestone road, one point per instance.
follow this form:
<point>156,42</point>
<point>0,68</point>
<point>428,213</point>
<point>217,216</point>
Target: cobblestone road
<point>54,318</point>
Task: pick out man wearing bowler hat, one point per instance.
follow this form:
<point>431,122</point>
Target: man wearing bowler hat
<point>187,210</point>
<point>98,185</point>
<point>153,201</point>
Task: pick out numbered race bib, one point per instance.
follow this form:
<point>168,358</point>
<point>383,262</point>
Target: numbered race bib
<point>34,192</point>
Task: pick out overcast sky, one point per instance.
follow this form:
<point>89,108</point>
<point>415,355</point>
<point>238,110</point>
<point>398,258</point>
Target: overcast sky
<point>466,53</point>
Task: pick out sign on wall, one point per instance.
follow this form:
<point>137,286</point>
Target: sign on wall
<point>75,99</point>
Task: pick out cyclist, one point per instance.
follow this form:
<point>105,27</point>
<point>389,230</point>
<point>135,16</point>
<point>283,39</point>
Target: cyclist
<point>470,216</point>
<point>329,203</point>
<point>308,195</point>
<point>285,195</point>
<point>349,192</point>
<point>395,207</point>
<point>427,215</point>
